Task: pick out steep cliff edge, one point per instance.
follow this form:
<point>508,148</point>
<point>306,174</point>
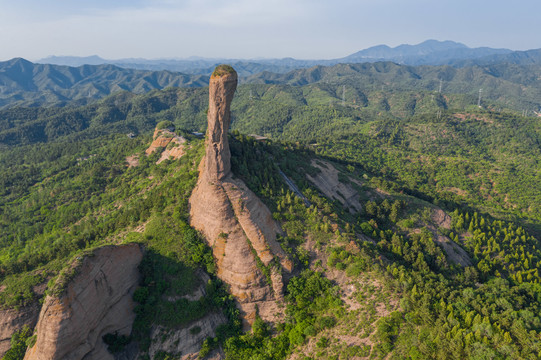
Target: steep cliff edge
<point>236,224</point>
<point>96,301</point>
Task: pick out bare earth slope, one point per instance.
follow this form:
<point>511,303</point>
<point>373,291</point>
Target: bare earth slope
<point>328,183</point>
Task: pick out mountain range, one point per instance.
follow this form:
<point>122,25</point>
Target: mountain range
<point>28,84</point>
<point>515,86</point>
<point>430,52</point>
<point>382,211</point>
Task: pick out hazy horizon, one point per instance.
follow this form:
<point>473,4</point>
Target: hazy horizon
<point>242,29</point>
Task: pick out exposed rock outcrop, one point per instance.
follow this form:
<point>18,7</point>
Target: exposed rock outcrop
<point>174,150</point>
<point>171,145</point>
<point>440,219</point>
<point>236,224</point>
<point>160,139</point>
<point>13,320</point>
<point>328,183</point>
<point>96,301</point>
<point>187,341</point>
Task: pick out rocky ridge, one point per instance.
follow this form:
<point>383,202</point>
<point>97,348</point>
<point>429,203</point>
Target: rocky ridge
<point>236,224</point>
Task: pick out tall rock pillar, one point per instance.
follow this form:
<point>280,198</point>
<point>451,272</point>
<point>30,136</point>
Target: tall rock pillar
<point>235,223</point>
<point>222,86</point>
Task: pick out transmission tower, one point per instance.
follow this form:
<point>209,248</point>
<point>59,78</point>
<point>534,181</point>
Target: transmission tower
<point>343,95</point>
<point>441,84</point>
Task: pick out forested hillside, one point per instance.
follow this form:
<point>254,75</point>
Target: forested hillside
<point>441,261</point>
<point>26,84</point>
<point>432,144</point>
<point>510,85</point>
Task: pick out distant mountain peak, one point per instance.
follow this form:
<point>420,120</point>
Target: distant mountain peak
<point>16,65</point>
<point>448,43</point>
<point>17,60</point>
<point>73,60</point>
<point>428,52</point>
<point>434,52</point>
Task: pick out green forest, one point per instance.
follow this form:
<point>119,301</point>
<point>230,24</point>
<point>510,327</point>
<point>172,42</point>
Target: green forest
<point>66,189</point>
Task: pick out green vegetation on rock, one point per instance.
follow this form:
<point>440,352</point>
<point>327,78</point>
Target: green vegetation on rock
<point>20,341</point>
<point>222,70</point>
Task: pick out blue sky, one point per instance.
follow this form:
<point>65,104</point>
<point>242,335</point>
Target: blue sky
<point>304,29</point>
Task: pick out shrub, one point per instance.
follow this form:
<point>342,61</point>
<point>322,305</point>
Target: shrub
<point>166,124</point>
<point>116,343</point>
<point>18,344</point>
<point>323,343</point>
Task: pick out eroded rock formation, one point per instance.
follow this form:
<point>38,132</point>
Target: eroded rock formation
<point>97,301</point>
<point>187,341</point>
<point>222,86</point>
<point>171,145</point>
<point>236,224</point>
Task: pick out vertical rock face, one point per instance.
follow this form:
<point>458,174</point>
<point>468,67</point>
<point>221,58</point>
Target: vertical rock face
<point>97,301</point>
<point>236,224</point>
<point>222,86</point>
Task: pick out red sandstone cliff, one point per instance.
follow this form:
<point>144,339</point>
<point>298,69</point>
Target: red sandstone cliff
<point>97,301</point>
<point>223,84</point>
<point>235,223</point>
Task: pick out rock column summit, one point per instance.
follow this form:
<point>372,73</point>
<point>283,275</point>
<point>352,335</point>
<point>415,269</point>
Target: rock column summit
<point>235,223</point>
